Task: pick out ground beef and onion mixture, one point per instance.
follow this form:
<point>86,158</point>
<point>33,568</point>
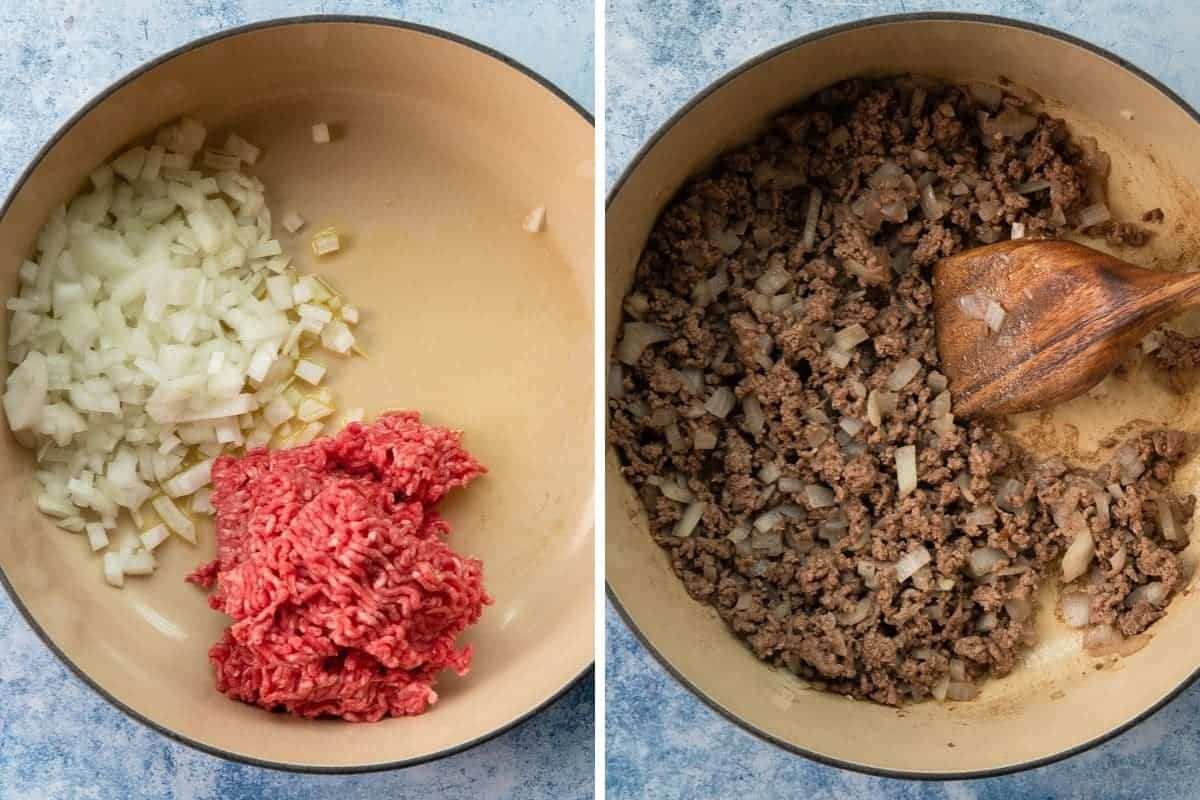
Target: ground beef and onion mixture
<point>776,402</point>
<point>345,599</point>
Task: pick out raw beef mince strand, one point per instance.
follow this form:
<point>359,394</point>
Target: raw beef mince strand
<point>346,602</point>
<point>776,402</point>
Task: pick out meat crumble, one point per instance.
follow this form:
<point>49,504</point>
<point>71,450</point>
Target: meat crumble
<point>776,402</point>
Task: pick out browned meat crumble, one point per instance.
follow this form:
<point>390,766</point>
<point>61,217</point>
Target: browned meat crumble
<point>762,426</point>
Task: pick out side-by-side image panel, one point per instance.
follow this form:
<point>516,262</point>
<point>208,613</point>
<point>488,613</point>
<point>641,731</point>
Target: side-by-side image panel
<point>901,410</point>
<point>299,402</point>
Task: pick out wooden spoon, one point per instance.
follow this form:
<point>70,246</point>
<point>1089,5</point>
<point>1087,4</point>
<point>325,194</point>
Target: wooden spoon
<point>1071,313</point>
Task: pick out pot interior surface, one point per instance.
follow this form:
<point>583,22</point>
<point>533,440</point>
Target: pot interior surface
<point>438,153</point>
<point>1058,698</point>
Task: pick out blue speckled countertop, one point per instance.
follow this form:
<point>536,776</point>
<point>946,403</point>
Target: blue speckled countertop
<point>58,740</point>
<point>664,743</point>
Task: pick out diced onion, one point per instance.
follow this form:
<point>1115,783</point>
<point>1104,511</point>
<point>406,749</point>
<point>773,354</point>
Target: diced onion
<point>1154,593</point>
<point>961,691</point>
<point>818,496</point>
<point>850,337</point>
<point>983,560</point>
<point>811,217</point>
<point>1078,557</point>
<point>769,472</point>
<point>174,519</point>
<point>690,519</point>
<point>97,536</point>
<point>113,573</point>
<point>753,415</point>
<point>309,371</point>
<point>326,242</point>
<point>1166,520</point>
<point>636,338</point>
<point>910,562</point>
<point>155,536</point>
<point>906,469</point>
<point>1019,608</point>
<point>768,520</point>
<point>973,306</point>
<point>994,316</point>
<point>1094,215</point>
<point>1102,639</point>
<point>150,301</point>
<point>720,402</point>
<point>1076,608</point>
<point>905,371</point>
<point>771,281</point>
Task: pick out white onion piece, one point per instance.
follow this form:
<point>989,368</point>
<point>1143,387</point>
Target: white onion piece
<point>1019,608</point>
<point>97,536</point>
<point>930,206</point>
<point>771,281</point>
<point>994,316</point>
<point>739,533</point>
<point>811,217</point>
<point>839,358</point>
<point>1094,215</point>
<point>690,519</point>
<point>1076,608</point>
<point>190,480</point>
<point>1154,593</point>
<point>940,688</point>
<point>113,573</point>
<point>155,536</point>
<point>753,415</point>
<point>850,425</point>
<point>973,306</point>
<point>818,496</point>
<point>790,485</point>
<point>905,371</point>
<point>906,469</point>
<point>1078,557</point>
<point>1029,187</point>
<point>768,520</point>
<point>850,337</point>
<point>874,413</point>
<point>983,560</point>
<point>720,402</point>
<point>910,562</point>
<point>1166,521</point>
<point>856,614</point>
<point>1103,639</point>
<point>636,338</point>
<point>769,472</point>
<point>961,690</point>
<point>174,519</point>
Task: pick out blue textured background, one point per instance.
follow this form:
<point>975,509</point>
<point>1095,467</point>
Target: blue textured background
<point>58,740</point>
<point>662,741</point>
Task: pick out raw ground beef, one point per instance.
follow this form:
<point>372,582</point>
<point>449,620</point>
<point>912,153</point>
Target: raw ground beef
<point>346,602</point>
<point>763,436</point>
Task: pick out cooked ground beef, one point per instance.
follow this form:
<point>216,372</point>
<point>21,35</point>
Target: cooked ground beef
<point>763,436</point>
